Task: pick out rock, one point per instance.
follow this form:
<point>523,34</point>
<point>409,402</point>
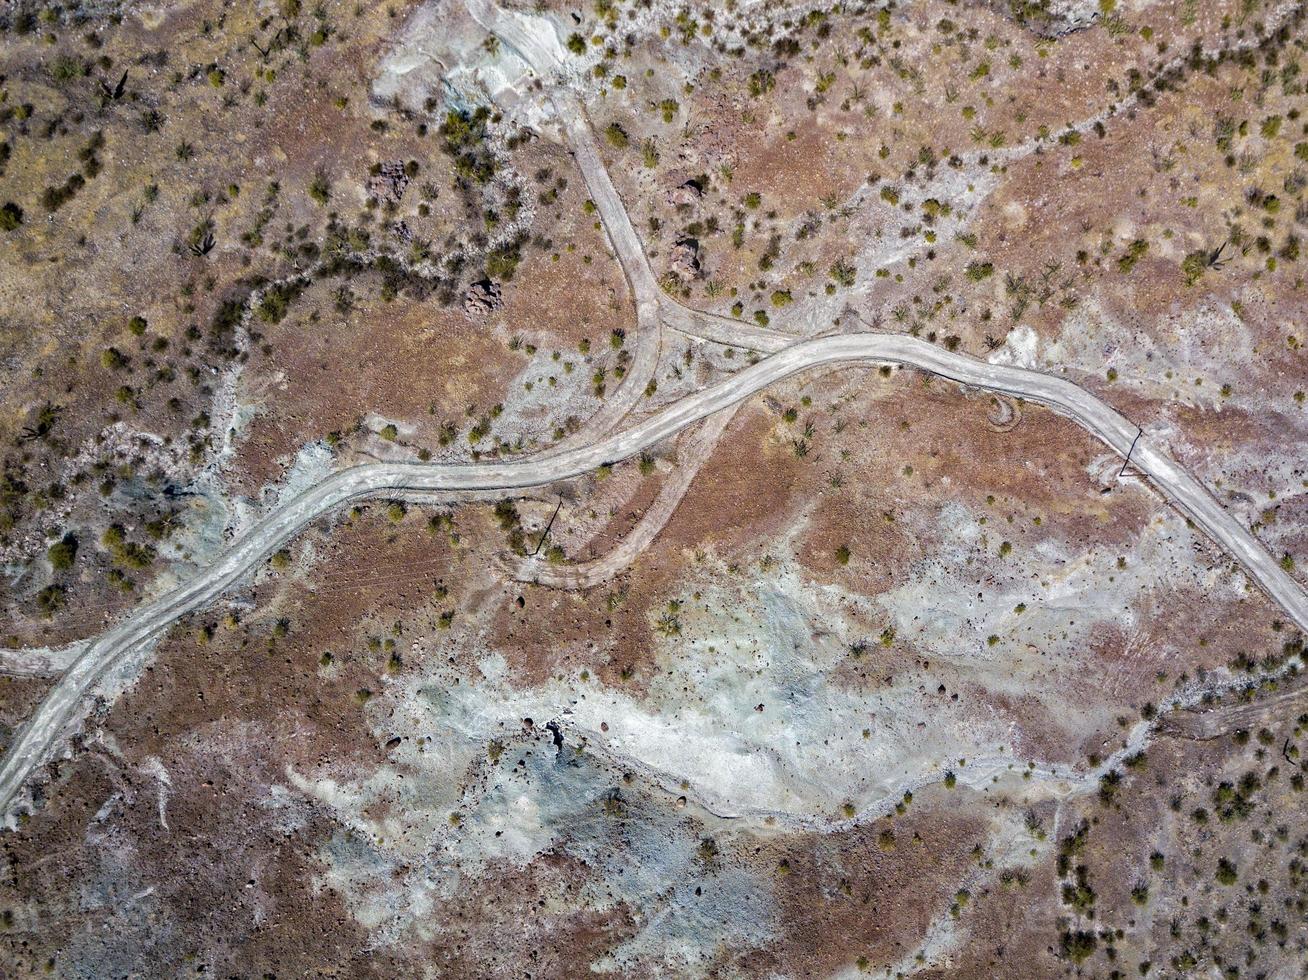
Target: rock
<point>391,180</point>
<point>482,298</point>
<point>684,258</point>
<point>688,193</point>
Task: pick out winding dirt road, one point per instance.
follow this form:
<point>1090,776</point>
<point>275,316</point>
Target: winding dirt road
<point>536,43</point>
<point>1101,420</point>
<point>585,575</point>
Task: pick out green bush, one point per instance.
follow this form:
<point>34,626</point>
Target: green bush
<point>276,302</point>
<point>1194,265</point>
<point>320,189</point>
<point>1077,946</point>
<point>63,552</point>
<point>112,359</point>
<point>843,273</point>
<point>464,138</point>
<point>67,67</point>
<point>126,553</point>
<point>617,136</point>
<point>53,198</point>
<point>1133,254</point>
<point>51,599</point>
<point>501,263</point>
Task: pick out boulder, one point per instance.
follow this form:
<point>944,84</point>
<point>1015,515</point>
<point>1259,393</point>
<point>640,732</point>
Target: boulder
<point>482,298</point>
<point>684,258</point>
<point>391,180</point>
<point>688,193</point>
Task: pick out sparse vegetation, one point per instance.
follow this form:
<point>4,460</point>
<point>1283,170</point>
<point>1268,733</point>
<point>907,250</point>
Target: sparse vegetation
<point>188,342</point>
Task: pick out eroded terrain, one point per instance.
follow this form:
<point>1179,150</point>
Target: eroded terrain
<point>856,670</point>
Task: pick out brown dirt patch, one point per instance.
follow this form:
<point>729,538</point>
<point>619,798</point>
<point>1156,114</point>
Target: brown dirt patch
<point>855,893</point>
<point>411,361</point>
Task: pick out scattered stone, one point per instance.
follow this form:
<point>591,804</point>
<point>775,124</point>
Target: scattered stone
<point>482,298</point>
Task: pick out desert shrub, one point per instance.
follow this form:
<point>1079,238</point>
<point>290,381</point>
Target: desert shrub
<point>1133,254</point>
<point>66,68</point>
<point>463,137</point>
<point>843,273</point>
<point>502,262</point>
<point>53,198</point>
<point>112,359</point>
<point>51,599</point>
<point>617,136</point>
<point>320,189</point>
<point>63,552</point>
<point>1077,946</point>
<point>276,301</point>
<point>125,553</point>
